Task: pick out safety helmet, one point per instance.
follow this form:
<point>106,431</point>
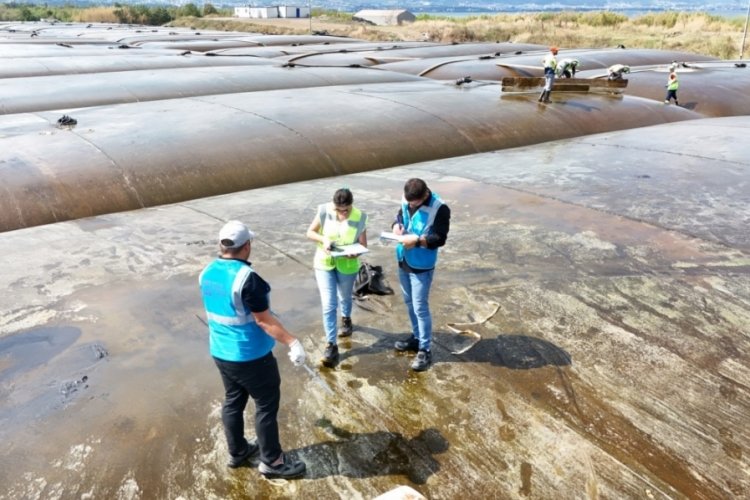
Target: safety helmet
<point>553,50</point>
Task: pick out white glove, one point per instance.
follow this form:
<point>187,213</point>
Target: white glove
<point>297,353</point>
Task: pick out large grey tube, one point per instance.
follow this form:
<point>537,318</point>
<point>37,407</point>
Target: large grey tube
<point>146,154</point>
<point>332,58</point>
<point>713,89</point>
<point>23,95</point>
<point>352,45</point>
<point>46,66</point>
<point>531,65</point>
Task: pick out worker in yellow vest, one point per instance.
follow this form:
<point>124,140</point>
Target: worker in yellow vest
<point>672,85</point>
<point>617,70</point>
<point>550,67</point>
<point>567,68</point>
<point>336,224</point>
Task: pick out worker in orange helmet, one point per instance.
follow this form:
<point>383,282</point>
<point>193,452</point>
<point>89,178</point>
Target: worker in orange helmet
<point>550,67</point>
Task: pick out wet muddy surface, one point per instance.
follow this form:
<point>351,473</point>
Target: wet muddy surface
<point>590,341</point>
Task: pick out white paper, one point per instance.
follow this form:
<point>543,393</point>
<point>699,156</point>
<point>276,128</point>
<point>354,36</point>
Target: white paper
<point>392,236</point>
<point>354,249</point>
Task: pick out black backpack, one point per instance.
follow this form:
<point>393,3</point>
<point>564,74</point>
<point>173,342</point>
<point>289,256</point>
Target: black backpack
<point>370,280</point>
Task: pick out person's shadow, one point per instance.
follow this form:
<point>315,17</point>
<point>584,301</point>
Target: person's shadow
<point>517,352</point>
<point>373,454</point>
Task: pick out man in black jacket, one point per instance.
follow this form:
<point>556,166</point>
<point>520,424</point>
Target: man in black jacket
<point>424,222</point>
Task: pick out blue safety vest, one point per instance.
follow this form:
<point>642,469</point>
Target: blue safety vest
<point>420,224</point>
<point>233,333</point>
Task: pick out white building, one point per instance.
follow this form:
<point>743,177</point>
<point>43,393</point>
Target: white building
<point>385,17</point>
<point>293,11</point>
<point>287,11</point>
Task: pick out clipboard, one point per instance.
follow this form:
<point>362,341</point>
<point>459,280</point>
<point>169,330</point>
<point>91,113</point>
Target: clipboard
<point>392,236</point>
<point>352,250</point>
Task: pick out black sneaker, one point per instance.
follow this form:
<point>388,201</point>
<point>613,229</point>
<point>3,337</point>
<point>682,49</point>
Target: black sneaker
<point>412,344</point>
<point>288,469</point>
<point>234,462</point>
<point>346,327</point>
<point>422,361</point>
<point>330,355</point>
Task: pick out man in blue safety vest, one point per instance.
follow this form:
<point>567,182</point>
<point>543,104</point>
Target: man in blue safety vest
<point>424,222</point>
<point>242,334</point>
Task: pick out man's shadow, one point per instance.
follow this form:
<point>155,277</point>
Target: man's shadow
<point>374,454</point>
<point>518,352</point>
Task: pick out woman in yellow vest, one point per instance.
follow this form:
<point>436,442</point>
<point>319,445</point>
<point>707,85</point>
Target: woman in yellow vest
<point>336,224</point>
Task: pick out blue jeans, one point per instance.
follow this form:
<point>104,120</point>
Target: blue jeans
<point>335,288</point>
<point>549,80</point>
<point>260,380</point>
<point>415,288</point>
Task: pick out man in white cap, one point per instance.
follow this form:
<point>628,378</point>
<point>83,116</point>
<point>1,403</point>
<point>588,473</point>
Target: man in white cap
<point>242,334</point>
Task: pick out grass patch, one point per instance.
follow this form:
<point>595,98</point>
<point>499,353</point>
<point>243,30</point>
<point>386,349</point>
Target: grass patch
<point>697,32</point>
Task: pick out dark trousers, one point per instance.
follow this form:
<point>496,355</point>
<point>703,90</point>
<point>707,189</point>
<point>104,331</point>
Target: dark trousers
<point>260,380</point>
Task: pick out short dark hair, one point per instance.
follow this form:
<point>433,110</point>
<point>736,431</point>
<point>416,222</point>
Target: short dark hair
<point>415,189</point>
<point>232,251</point>
<point>343,197</point>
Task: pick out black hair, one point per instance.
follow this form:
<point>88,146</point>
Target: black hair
<point>229,250</point>
<point>343,197</point>
<point>415,189</point>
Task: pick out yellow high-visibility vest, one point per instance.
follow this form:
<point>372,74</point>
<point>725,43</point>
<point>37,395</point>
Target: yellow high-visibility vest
<point>339,233</point>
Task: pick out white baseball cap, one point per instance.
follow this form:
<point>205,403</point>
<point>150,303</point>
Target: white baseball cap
<point>234,234</point>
